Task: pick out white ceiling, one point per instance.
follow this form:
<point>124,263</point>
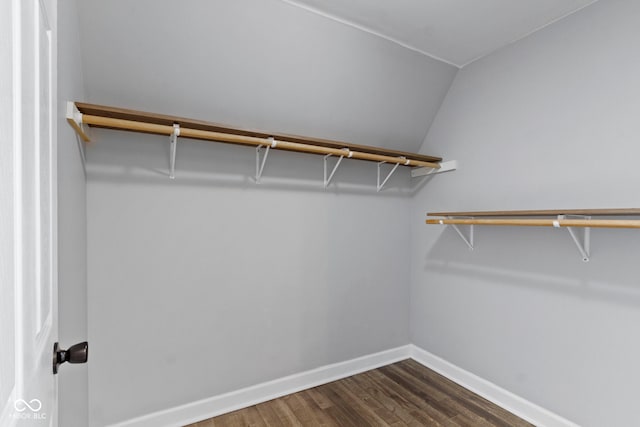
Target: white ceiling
<point>454,31</point>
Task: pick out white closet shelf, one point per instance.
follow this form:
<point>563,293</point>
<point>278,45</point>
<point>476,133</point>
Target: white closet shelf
<point>567,218</point>
<point>139,121</point>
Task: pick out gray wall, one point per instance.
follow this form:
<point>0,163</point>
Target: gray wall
<point>72,228</point>
<point>260,64</point>
<point>549,122</point>
<point>210,283</point>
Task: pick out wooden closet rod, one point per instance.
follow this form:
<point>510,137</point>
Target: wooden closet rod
<point>545,212</point>
<point>247,140</point>
<point>595,223</point>
<point>359,153</point>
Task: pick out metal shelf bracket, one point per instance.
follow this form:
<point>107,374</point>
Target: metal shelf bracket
<point>74,118</point>
<point>467,240</point>
<point>381,184</point>
<point>583,244</point>
<point>444,167</point>
<point>173,145</point>
<point>260,163</point>
<point>327,179</point>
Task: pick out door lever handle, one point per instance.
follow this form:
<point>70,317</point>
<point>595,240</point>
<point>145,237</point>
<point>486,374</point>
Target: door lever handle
<point>77,353</point>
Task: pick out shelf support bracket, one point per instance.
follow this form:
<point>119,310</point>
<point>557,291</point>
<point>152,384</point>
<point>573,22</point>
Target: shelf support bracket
<point>584,244</point>
<point>444,167</point>
<point>74,118</point>
<point>327,180</point>
<point>467,240</point>
<point>380,185</point>
<point>173,145</point>
<point>260,163</point>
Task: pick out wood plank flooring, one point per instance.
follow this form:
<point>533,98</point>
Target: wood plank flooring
<point>402,394</point>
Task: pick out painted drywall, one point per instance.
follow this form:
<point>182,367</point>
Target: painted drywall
<point>457,32</point>
<point>549,122</point>
<point>72,229</point>
<point>260,64</point>
<point>210,283</point>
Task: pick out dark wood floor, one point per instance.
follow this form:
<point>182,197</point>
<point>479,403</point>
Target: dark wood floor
<point>403,394</point>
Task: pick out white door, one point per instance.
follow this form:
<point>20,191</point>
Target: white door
<point>28,273</point>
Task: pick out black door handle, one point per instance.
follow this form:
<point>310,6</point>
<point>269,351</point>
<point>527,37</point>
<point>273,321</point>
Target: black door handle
<point>77,353</point>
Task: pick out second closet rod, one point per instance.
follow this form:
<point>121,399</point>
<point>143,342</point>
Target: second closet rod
<point>596,223</point>
<point>158,129</point>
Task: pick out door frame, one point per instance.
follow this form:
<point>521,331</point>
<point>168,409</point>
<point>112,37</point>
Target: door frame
<point>28,221</point>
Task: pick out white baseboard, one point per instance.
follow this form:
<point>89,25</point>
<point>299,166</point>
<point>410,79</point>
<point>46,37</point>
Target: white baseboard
<point>221,404</point>
<point>526,410</point>
<point>228,402</point>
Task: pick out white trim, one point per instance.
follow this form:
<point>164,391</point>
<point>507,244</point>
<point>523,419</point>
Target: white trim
<point>6,419</point>
<point>523,408</point>
<point>18,199</point>
<point>232,401</point>
<point>223,403</point>
<point>368,30</point>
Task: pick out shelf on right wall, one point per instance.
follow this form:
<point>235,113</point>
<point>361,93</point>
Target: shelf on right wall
<point>567,218</point>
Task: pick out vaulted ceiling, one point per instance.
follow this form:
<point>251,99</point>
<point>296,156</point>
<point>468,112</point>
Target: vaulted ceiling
<point>456,31</point>
<point>273,65</point>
